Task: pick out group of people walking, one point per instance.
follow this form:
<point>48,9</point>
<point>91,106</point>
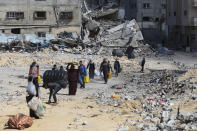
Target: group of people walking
<point>73,75</point>
<point>105,69</point>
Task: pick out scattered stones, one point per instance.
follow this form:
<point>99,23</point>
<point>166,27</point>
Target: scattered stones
<point>153,128</point>
<point>133,123</point>
<point>77,120</point>
<point>157,92</point>
<point>155,120</point>
<point>124,129</point>
<point>141,125</point>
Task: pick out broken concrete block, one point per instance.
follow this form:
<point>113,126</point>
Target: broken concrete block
<point>92,25</point>
<point>124,129</point>
<point>141,125</point>
<point>171,123</point>
<point>155,120</point>
<point>130,25</point>
<point>152,128</point>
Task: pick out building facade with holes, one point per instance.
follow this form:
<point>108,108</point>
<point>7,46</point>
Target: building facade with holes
<point>40,17</point>
<point>182,23</point>
<point>150,15</point>
<point>150,12</point>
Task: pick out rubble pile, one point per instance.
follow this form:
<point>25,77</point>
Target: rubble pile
<point>98,35</point>
<point>159,95</point>
<point>31,42</point>
<point>102,32</point>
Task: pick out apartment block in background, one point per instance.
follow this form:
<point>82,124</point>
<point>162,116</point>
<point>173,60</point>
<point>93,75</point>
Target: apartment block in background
<point>150,14</point>
<point>39,17</point>
<point>182,22</point>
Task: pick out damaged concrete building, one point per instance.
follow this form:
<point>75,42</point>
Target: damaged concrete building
<point>103,3</point>
<point>150,15</point>
<point>182,23</point>
<point>40,17</point>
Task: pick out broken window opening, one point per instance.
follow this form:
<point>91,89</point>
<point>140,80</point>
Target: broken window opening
<point>174,13</point>
<point>39,15</point>
<point>146,18</point>
<point>163,6</point>
<point>157,19</point>
<point>16,31</point>
<point>146,5</point>
<point>193,37</point>
<point>15,15</point>
<point>41,34</point>
<point>66,15</point>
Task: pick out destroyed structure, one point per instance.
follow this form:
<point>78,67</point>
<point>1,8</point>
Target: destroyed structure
<point>40,17</point>
<point>150,16</point>
<point>102,31</point>
<point>32,24</point>
<point>182,22</point>
<point>157,97</point>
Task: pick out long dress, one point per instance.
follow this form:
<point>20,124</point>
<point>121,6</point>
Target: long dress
<point>73,79</point>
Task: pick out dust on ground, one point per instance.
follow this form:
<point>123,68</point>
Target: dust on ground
<point>79,112</point>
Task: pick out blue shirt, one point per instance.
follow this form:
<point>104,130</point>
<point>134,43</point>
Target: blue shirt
<point>82,70</point>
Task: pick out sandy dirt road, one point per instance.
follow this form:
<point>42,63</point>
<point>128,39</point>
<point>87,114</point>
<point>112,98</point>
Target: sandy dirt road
<point>80,112</point>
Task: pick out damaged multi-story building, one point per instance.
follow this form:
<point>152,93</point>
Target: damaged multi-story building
<point>94,4</point>
<point>150,14</point>
<point>182,23</point>
<point>39,17</point>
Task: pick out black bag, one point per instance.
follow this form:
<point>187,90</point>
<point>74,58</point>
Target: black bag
<point>119,70</point>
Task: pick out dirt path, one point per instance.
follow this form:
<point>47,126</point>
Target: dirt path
<point>72,113</point>
<point>80,112</point>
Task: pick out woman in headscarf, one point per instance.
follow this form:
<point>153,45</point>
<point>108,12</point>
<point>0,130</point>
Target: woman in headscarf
<point>73,74</point>
<point>33,76</point>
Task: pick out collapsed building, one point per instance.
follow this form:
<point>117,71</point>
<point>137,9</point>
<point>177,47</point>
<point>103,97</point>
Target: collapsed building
<point>40,17</point>
<point>150,15</point>
<point>72,24</point>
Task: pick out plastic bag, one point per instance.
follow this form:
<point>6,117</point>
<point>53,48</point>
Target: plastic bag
<point>97,73</point>
<point>39,79</point>
<point>109,75</point>
<point>86,79</point>
<point>40,109</point>
<point>31,89</point>
<point>33,103</point>
<point>115,96</point>
<point>102,75</point>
